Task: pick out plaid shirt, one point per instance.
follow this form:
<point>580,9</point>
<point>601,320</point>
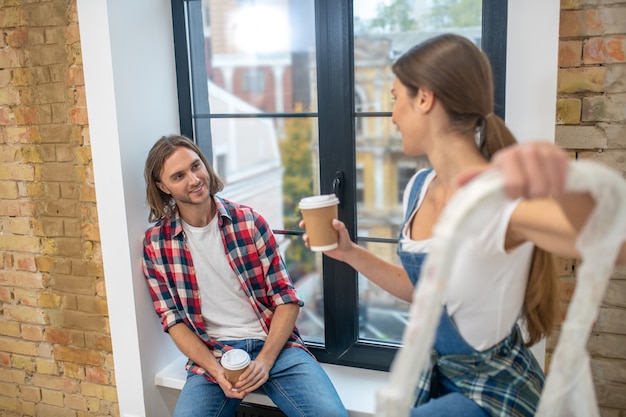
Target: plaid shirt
<point>504,380</point>
<point>252,252</point>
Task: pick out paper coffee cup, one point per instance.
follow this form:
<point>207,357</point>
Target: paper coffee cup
<point>318,213</point>
<point>234,362</point>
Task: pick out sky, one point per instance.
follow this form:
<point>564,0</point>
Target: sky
<point>366,9</point>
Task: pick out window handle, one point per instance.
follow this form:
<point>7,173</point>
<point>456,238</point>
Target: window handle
<point>338,186</point>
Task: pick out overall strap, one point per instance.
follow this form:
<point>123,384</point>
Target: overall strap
<point>415,191</point>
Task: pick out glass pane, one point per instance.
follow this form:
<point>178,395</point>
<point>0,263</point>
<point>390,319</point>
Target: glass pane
<point>382,317</point>
<point>260,59</point>
<point>384,29</point>
<point>265,169</point>
<point>262,52</point>
<point>271,172</point>
<point>305,268</point>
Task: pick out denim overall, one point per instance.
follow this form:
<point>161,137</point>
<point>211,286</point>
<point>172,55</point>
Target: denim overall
<point>504,380</point>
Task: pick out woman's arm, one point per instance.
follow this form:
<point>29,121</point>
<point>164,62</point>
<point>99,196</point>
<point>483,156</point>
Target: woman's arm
<point>530,170</point>
<point>549,216</point>
<point>551,224</point>
<point>390,277</point>
<point>539,170</point>
<point>554,224</point>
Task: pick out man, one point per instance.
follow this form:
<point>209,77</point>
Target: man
<point>218,282</point>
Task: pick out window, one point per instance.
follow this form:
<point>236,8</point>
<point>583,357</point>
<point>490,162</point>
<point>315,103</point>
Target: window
<point>253,81</point>
<point>219,165</point>
<point>405,172</point>
<point>295,133</point>
<point>359,184</point>
<point>358,122</point>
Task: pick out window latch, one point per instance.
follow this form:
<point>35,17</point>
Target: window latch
<point>338,183</point>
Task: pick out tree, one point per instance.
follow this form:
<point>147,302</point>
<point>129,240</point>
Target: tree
<point>395,17</point>
<point>455,13</point>
<point>296,155</point>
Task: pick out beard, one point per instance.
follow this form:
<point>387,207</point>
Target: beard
<point>193,198</point>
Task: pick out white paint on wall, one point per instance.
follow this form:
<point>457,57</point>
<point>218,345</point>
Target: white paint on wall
<point>130,85</point>
<point>532,64</point>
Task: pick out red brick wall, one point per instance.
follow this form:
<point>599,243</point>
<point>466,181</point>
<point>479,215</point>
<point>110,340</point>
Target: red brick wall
<point>55,348</point>
<point>591,124</point>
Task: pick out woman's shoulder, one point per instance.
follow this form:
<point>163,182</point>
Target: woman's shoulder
<point>416,182</point>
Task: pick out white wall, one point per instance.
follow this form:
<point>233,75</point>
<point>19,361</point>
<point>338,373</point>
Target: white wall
<point>532,62</point>
<point>131,96</point>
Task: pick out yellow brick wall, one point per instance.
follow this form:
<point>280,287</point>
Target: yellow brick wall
<point>591,124</point>
<point>55,347</point>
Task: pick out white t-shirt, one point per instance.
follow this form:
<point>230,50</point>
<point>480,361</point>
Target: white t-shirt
<point>226,311</point>
<point>486,290</point>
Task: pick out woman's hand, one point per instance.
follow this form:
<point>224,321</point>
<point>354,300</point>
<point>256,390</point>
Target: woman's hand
<point>389,276</point>
<point>530,170</point>
<point>341,252</point>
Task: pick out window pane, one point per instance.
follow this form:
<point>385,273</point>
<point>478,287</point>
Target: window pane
<point>272,172</point>
<point>260,57</point>
<point>382,31</point>
<point>262,52</point>
<point>382,317</point>
<point>305,268</point>
<point>252,66</point>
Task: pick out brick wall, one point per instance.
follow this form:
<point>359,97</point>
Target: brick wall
<point>591,124</point>
<point>55,348</point>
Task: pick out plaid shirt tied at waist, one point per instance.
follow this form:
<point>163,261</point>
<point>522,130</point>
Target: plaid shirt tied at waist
<point>505,380</point>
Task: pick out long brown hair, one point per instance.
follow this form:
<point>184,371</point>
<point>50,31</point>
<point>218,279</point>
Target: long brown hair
<point>161,204</point>
<point>459,74</point>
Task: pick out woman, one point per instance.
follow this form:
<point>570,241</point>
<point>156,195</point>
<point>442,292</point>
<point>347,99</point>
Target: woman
<point>482,365</point>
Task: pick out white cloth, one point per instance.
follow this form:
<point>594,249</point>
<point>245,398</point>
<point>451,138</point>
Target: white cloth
<point>226,311</point>
<point>568,390</point>
<point>486,285</point>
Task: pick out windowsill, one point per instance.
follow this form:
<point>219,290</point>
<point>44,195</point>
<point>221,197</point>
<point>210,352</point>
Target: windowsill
<point>356,387</point>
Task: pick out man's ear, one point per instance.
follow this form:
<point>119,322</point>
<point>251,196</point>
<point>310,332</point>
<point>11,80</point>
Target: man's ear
<point>425,99</point>
<point>162,187</point>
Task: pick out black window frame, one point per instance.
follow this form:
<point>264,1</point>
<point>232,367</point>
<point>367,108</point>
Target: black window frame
<point>336,121</point>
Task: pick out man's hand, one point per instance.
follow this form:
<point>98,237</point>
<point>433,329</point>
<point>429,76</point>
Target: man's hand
<point>229,389</point>
<point>253,377</point>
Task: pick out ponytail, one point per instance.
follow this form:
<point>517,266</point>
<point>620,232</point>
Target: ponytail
<point>494,135</point>
<point>541,303</point>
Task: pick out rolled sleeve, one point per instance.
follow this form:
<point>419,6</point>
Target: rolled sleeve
<point>279,284</point>
<point>164,306</point>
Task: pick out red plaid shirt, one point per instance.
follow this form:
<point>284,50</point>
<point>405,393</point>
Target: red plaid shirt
<point>252,252</point>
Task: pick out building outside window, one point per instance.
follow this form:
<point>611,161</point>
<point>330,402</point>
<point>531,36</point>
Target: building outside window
<point>253,81</point>
<point>311,115</point>
<point>359,184</point>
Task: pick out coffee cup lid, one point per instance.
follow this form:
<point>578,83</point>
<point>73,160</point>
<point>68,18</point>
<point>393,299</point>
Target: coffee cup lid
<point>318,201</point>
<point>235,359</point>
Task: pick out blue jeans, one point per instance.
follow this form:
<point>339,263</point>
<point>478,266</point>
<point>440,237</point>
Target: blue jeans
<point>297,384</point>
<point>449,405</point>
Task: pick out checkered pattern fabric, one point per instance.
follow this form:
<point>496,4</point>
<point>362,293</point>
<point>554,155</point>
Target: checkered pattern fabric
<point>505,380</point>
<point>251,250</point>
